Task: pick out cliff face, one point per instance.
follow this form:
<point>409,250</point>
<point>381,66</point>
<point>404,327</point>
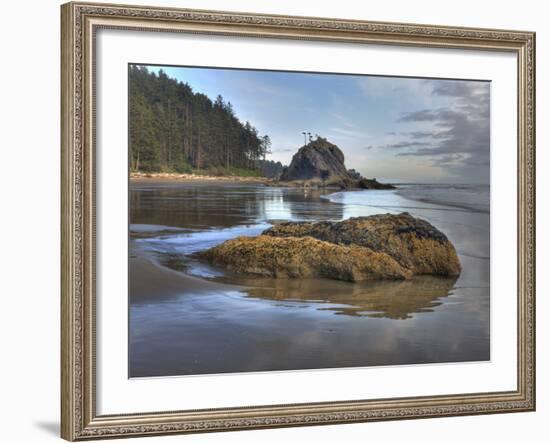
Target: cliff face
<point>318,161</point>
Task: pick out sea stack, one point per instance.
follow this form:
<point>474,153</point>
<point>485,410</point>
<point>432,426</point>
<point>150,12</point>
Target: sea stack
<point>318,162</point>
<point>322,163</point>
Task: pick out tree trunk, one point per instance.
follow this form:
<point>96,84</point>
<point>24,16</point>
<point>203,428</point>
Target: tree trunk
<point>199,151</point>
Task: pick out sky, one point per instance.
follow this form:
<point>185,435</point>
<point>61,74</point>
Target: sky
<point>391,128</point>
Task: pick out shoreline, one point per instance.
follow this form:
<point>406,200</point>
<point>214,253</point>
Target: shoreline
<point>150,281</point>
<point>174,176</point>
<point>477,207</point>
<point>198,178</point>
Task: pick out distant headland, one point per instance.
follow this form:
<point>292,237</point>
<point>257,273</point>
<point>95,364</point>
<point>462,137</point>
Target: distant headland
<point>322,164</point>
<point>318,164</point>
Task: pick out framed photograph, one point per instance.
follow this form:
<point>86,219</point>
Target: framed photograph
<point>282,221</point>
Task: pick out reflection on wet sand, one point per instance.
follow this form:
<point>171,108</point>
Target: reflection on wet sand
<point>196,206</point>
<point>397,300</point>
<point>187,317</point>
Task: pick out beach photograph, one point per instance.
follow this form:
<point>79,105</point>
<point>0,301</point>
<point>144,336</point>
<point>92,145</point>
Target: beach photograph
<point>286,221</point>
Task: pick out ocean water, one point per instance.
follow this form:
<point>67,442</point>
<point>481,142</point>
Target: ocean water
<point>187,317</point>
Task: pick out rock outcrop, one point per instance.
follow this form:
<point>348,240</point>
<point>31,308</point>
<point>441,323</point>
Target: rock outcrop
<point>306,257</point>
<point>321,163</point>
<point>318,162</point>
<point>412,242</point>
<point>377,247</point>
<point>372,183</point>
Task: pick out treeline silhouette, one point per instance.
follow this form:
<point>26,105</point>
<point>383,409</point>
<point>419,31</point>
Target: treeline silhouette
<point>270,168</point>
<point>173,129</point>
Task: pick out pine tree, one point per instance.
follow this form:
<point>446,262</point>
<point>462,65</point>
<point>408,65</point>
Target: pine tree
<point>173,128</point>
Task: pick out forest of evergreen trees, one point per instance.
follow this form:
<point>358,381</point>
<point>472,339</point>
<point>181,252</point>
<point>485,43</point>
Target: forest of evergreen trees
<point>173,129</point>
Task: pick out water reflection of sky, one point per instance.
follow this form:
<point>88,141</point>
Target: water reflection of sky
<point>221,333</point>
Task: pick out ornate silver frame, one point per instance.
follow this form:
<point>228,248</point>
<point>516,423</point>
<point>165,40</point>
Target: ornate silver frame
<point>80,21</point>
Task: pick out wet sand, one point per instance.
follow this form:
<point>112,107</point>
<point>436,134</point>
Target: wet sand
<point>189,318</point>
<point>152,282</point>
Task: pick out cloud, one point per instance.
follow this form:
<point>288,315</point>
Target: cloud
<point>402,145</point>
<point>252,85</point>
<point>343,120</point>
<point>430,115</point>
<point>425,115</point>
<point>385,88</point>
<point>347,132</point>
<point>458,134</point>
<point>425,134</point>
